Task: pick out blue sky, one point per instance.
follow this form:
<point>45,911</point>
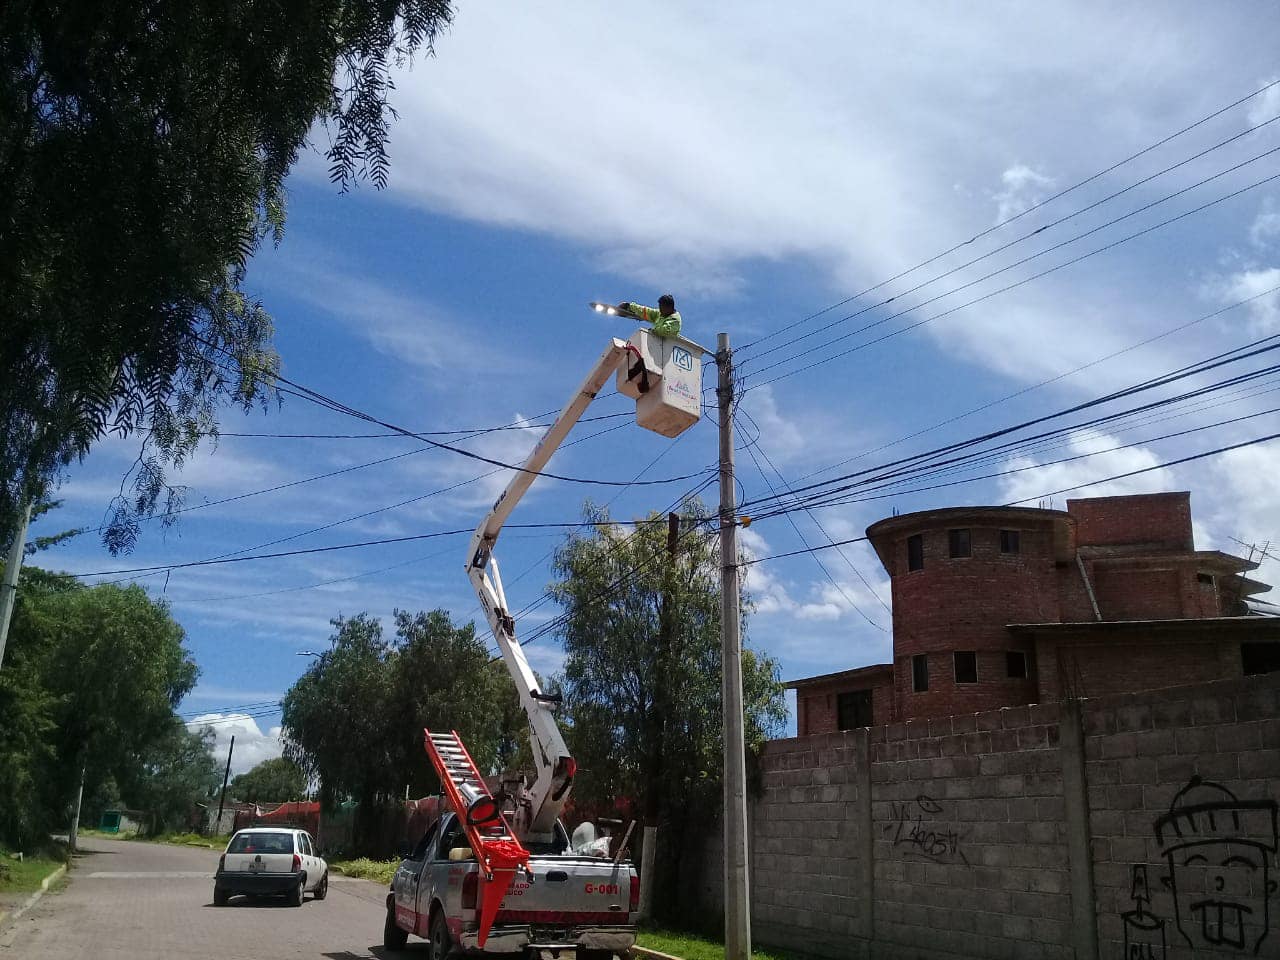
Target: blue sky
<point>759,169</point>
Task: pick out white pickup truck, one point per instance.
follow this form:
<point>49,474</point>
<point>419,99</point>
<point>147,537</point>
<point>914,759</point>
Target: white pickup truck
<point>586,904</point>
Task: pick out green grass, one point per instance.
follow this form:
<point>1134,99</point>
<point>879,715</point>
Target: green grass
<point>380,870</point>
<point>179,839</point>
<point>24,876</point>
<point>690,947</point>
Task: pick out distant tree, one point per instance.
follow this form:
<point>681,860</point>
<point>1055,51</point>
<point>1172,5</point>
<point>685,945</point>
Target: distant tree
<point>354,720</point>
<point>274,781</point>
<point>143,154</point>
<point>91,680</point>
<point>171,775</point>
<point>642,672</point>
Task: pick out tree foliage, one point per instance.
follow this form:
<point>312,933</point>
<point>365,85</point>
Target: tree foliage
<point>143,153</point>
<point>90,681</point>
<point>354,720</point>
<point>278,780</point>
<point>642,675</point>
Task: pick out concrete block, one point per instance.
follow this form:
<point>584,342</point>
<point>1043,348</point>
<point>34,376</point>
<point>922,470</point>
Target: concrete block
<point>1213,710</point>
<point>1118,746</point>
<point>1170,714</point>
<point>1155,743</point>
<point>1133,718</point>
<point>1260,764</point>
<point>1142,770</point>
<point>1004,740</point>
<point>1261,703</point>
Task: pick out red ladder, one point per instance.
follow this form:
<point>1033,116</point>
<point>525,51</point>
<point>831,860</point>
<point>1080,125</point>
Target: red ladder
<point>497,851</point>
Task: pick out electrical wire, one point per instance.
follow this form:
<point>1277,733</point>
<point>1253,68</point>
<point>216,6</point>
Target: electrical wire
<point>1043,383</point>
<point>994,293</point>
<point>821,566</point>
<point>1089,483</point>
<point>1237,354</point>
<point>1018,216</point>
<point>1039,230</point>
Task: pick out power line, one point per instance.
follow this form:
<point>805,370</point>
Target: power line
<point>1039,230</point>
<point>1043,383</point>
<point>1237,354</point>
<point>1005,289</point>
<point>795,526</point>
<point>1042,496</point>
<point>1018,216</point>
<point>517,425</point>
<point>867,495</point>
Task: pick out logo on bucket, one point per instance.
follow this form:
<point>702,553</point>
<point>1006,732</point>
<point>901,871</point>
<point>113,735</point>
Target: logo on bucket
<point>682,357</point>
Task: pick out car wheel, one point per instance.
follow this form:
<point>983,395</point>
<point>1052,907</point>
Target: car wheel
<point>393,938</point>
<point>295,895</point>
<point>441,944</point>
<point>220,897</point>
<point>322,889</point>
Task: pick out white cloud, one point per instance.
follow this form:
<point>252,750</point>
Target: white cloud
<point>1079,477</point>
<point>1266,225</point>
<point>1248,497</point>
<point>1264,312</point>
<point>252,745</point>
<point>1023,188</point>
<point>398,325</point>
<point>1266,106</point>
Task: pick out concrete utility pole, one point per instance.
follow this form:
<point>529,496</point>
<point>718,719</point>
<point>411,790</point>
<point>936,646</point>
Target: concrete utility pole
<point>737,892</point>
<point>226,773</point>
<point>74,837</point>
<point>9,588</point>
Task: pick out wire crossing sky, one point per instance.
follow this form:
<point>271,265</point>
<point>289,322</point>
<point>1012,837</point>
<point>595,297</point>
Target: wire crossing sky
<point>988,218</point>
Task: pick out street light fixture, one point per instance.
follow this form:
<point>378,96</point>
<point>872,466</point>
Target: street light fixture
<point>309,653</point>
<point>604,308</point>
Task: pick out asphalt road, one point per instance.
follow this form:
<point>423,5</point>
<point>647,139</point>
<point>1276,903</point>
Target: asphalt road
<point>148,901</point>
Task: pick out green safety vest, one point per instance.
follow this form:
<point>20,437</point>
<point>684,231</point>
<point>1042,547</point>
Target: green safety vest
<point>662,326</point>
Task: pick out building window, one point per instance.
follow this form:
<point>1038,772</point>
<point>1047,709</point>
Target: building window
<point>1016,664</point>
<point>1205,578</point>
<point>958,541</point>
<point>920,673</point>
<point>1010,541</point>
<point>966,662</point>
<point>853,710</point>
<point>915,552</point>
<point>1260,657</point>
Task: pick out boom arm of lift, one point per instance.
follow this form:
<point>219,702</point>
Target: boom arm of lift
<point>537,811</point>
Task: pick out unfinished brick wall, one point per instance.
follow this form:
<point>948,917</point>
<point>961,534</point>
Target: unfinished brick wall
<point>1164,520</point>
<point>1029,832</point>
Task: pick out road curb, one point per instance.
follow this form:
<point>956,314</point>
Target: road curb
<point>7,918</point>
<point>651,954</point>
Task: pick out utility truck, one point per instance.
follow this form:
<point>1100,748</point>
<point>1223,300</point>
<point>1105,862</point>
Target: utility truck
<point>500,873</point>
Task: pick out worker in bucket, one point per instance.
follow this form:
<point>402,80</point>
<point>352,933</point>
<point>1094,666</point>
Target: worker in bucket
<point>665,320</point>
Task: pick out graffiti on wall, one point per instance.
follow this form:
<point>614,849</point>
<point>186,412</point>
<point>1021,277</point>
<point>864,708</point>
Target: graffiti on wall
<point>1143,930</point>
<point>1218,852</point>
<point>915,826</point>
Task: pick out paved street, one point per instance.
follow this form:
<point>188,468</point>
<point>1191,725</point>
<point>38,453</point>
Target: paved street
<point>149,901</point>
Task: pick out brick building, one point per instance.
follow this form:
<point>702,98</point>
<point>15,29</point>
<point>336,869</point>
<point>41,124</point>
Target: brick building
<point>1002,606</point>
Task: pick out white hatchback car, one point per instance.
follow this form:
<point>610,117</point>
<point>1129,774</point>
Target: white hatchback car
<point>265,861</point>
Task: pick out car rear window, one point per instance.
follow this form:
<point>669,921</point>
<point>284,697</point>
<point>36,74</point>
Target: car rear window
<point>261,843</point>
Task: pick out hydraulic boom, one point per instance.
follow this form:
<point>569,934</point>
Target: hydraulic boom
<point>539,805</point>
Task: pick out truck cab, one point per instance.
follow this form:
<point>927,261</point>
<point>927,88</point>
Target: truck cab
<point>574,902</point>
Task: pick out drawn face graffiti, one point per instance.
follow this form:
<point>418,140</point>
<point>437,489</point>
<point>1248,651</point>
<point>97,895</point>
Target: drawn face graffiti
<point>1218,849</point>
<point>1224,907</point>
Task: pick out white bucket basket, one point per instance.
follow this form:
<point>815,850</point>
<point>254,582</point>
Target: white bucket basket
<point>664,377</point>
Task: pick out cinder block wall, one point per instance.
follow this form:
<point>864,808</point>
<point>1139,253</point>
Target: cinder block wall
<point>1055,830</point>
